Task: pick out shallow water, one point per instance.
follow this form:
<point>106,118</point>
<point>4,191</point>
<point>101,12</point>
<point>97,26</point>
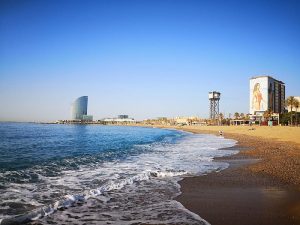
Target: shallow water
<point>101,174</point>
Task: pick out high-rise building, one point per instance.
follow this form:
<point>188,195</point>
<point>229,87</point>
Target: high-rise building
<point>79,108</point>
<point>266,93</point>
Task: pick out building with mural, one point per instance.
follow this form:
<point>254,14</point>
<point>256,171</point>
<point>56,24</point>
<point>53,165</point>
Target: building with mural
<point>266,93</point>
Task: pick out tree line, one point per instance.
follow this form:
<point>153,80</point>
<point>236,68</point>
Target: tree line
<point>291,118</point>
<point>286,118</point>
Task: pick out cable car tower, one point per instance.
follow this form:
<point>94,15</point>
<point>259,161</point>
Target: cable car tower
<point>214,98</point>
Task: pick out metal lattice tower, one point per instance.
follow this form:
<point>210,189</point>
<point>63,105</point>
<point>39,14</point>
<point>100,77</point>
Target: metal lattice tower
<point>214,98</point>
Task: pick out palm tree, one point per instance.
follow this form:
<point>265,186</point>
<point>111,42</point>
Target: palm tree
<point>221,117</point>
<point>247,117</point>
<point>242,115</point>
<point>289,102</point>
<point>236,115</point>
<point>296,105</point>
<point>268,114</point>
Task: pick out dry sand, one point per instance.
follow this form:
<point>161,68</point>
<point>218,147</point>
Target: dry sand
<point>279,133</point>
<point>262,184</point>
<point>277,147</point>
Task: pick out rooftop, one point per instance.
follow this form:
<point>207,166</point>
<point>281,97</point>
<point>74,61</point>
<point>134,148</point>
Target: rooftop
<point>268,77</point>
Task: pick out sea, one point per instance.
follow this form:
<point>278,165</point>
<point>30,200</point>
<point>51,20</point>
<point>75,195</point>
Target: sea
<point>95,174</point>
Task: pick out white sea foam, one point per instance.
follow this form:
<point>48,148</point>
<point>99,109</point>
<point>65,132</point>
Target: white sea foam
<point>155,169</point>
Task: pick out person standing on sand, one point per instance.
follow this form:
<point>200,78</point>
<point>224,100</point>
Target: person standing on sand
<point>257,98</point>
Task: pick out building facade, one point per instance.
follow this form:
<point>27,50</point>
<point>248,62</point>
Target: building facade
<point>79,108</point>
<point>266,93</point>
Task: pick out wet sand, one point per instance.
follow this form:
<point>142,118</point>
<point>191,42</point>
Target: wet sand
<point>261,185</point>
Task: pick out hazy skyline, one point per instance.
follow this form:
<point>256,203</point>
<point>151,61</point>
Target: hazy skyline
<point>142,58</point>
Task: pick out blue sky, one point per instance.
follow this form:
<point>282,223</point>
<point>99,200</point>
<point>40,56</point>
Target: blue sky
<point>142,58</point>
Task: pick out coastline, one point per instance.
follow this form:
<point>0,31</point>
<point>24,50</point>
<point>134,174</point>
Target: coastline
<point>261,185</point>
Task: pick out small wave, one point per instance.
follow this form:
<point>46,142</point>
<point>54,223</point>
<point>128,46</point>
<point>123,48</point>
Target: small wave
<point>168,173</point>
<point>71,200</point>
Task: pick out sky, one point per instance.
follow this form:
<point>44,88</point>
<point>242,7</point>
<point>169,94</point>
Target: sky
<point>144,58</point>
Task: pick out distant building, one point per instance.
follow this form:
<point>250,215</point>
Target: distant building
<point>293,108</point>
<point>266,93</point>
<point>79,109</point>
<point>183,120</point>
<point>123,116</point>
<point>119,120</point>
<point>87,118</point>
<point>179,121</point>
<point>189,120</point>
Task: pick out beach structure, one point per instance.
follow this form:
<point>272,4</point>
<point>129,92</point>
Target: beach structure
<point>266,93</point>
<point>214,98</point>
<point>79,109</point>
<point>237,122</point>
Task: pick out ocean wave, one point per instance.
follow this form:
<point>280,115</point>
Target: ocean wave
<point>71,200</point>
<point>136,173</point>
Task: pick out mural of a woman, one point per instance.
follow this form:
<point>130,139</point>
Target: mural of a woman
<point>257,99</point>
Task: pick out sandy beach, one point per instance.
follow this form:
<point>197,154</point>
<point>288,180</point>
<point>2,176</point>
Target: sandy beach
<point>261,185</point>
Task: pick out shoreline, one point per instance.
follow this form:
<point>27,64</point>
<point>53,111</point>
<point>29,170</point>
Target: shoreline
<point>260,186</point>
<point>253,189</point>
